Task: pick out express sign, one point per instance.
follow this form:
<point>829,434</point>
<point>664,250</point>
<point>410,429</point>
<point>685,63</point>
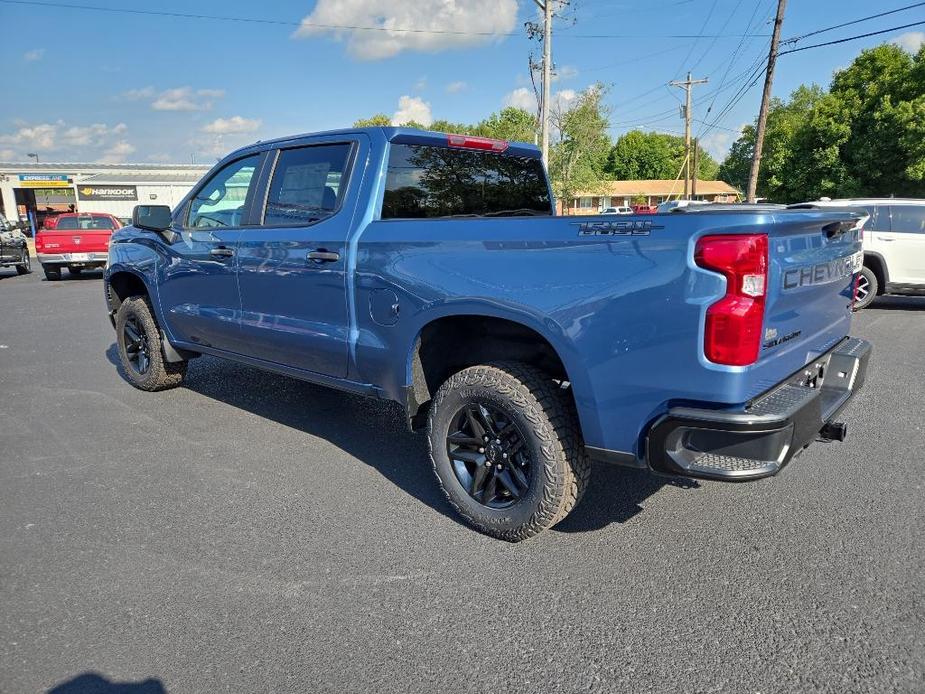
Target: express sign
<point>107,193</point>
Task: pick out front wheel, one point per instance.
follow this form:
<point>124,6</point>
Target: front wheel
<point>25,267</point>
<point>506,449</point>
<point>867,288</point>
<point>140,351</point>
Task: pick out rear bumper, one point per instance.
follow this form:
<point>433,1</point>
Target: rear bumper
<point>91,258</point>
<point>760,440</point>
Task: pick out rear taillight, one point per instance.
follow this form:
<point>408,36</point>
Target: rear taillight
<point>734,323</point>
<point>39,242</point>
<point>854,291</point>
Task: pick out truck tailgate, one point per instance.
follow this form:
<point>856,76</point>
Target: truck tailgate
<point>812,266</point>
<point>76,240</point>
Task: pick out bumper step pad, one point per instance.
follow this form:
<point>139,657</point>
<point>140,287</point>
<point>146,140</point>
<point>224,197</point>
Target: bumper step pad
<point>761,439</point>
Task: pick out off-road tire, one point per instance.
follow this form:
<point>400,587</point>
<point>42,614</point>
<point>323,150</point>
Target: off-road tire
<point>547,420</point>
<point>52,272</point>
<point>160,374</point>
<point>873,287</point>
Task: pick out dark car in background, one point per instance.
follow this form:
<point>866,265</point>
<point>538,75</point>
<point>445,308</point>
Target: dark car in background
<point>14,249</point>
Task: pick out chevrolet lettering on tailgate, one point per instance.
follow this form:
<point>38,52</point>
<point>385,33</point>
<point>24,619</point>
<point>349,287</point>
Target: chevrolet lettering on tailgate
<point>823,273</point>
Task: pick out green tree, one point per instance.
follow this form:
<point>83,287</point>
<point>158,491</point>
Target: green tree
<point>578,160</point>
<point>378,119</point>
<point>639,155</point>
<point>511,123</point>
<point>865,136</point>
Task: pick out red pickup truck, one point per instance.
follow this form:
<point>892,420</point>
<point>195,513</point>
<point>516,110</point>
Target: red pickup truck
<point>77,241</point>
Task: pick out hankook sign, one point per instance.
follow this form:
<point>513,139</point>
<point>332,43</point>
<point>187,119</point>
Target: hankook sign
<point>107,193</point>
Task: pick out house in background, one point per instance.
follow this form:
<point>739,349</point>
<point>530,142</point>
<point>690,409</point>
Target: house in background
<point>624,193</point>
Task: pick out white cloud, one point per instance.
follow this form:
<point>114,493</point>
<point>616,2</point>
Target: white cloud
<point>456,87</point>
<point>139,94</point>
<point>235,124</point>
<point>412,108</point>
<point>564,72</point>
<point>910,41</point>
<point>38,136</point>
<point>73,140</point>
<point>186,99</point>
<point>7,154</point>
<point>562,100</point>
<point>160,157</point>
<point>33,55</point>
<point>117,153</point>
<point>521,98</point>
<point>482,21</point>
<point>718,142</point>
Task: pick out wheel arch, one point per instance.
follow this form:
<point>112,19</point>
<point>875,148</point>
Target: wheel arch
<point>449,341</point>
<point>877,264</point>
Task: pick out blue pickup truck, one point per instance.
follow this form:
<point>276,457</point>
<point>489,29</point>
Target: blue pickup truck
<point>432,270</point>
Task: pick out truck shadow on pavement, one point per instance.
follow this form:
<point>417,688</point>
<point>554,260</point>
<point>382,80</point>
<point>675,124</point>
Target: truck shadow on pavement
<point>375,433</point>
<point>898,303</point>
<point>93,683</point>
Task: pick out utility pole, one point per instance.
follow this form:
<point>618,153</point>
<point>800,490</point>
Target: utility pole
<point>546,6</point>
<point>694,167</point>
<point>686,86</point>
<point>765,101</point>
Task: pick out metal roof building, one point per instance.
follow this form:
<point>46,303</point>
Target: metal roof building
<point>36,190</point>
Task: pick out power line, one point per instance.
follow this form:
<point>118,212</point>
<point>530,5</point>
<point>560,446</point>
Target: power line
<point>342,27</point>
<point>853,21</point>
<point>851,38</point>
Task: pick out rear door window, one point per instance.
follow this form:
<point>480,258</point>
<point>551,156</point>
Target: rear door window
<point>425,181</point>
<point>908,219</point>
<point>308,184</point>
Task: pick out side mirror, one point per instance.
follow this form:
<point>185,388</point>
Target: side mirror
<point>151,217</point>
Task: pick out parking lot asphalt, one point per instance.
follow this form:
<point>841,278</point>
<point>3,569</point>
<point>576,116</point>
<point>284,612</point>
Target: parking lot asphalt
<point>249,532</point>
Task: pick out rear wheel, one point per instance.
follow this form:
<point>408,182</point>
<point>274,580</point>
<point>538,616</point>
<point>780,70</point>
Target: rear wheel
<point>52,272</point>
<point>867,288</point>
<point>25,267</point>
<point>75,270</point>
<point>140,350</point>
<point>506,449</point>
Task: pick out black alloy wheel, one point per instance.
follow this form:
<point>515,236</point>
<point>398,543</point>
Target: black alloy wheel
<point>489,455</point>
<point>136,345</point>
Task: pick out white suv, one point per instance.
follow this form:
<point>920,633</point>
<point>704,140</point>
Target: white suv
<point>894,246</point>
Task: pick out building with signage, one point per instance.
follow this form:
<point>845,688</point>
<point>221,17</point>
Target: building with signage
<point>34,191</point>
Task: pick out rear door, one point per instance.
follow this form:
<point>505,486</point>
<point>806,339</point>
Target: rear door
<point>292,263</point>
<point>906,244</point>
<point>198,291</point>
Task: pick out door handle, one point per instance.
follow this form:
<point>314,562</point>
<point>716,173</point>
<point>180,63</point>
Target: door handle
<point>322,256</point>
<point>885,238</point>
<point>221,252</point>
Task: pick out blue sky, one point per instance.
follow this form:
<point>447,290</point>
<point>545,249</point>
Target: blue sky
<point>87,85</point>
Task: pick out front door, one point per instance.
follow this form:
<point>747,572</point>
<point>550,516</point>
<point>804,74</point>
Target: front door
<point>292,267</point>
<point>198,290</point>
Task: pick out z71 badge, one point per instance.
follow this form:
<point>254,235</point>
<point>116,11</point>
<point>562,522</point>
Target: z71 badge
<point>622,228</point>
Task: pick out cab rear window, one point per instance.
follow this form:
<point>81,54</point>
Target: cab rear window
<point>67,223</point>
<point>425,181</point>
